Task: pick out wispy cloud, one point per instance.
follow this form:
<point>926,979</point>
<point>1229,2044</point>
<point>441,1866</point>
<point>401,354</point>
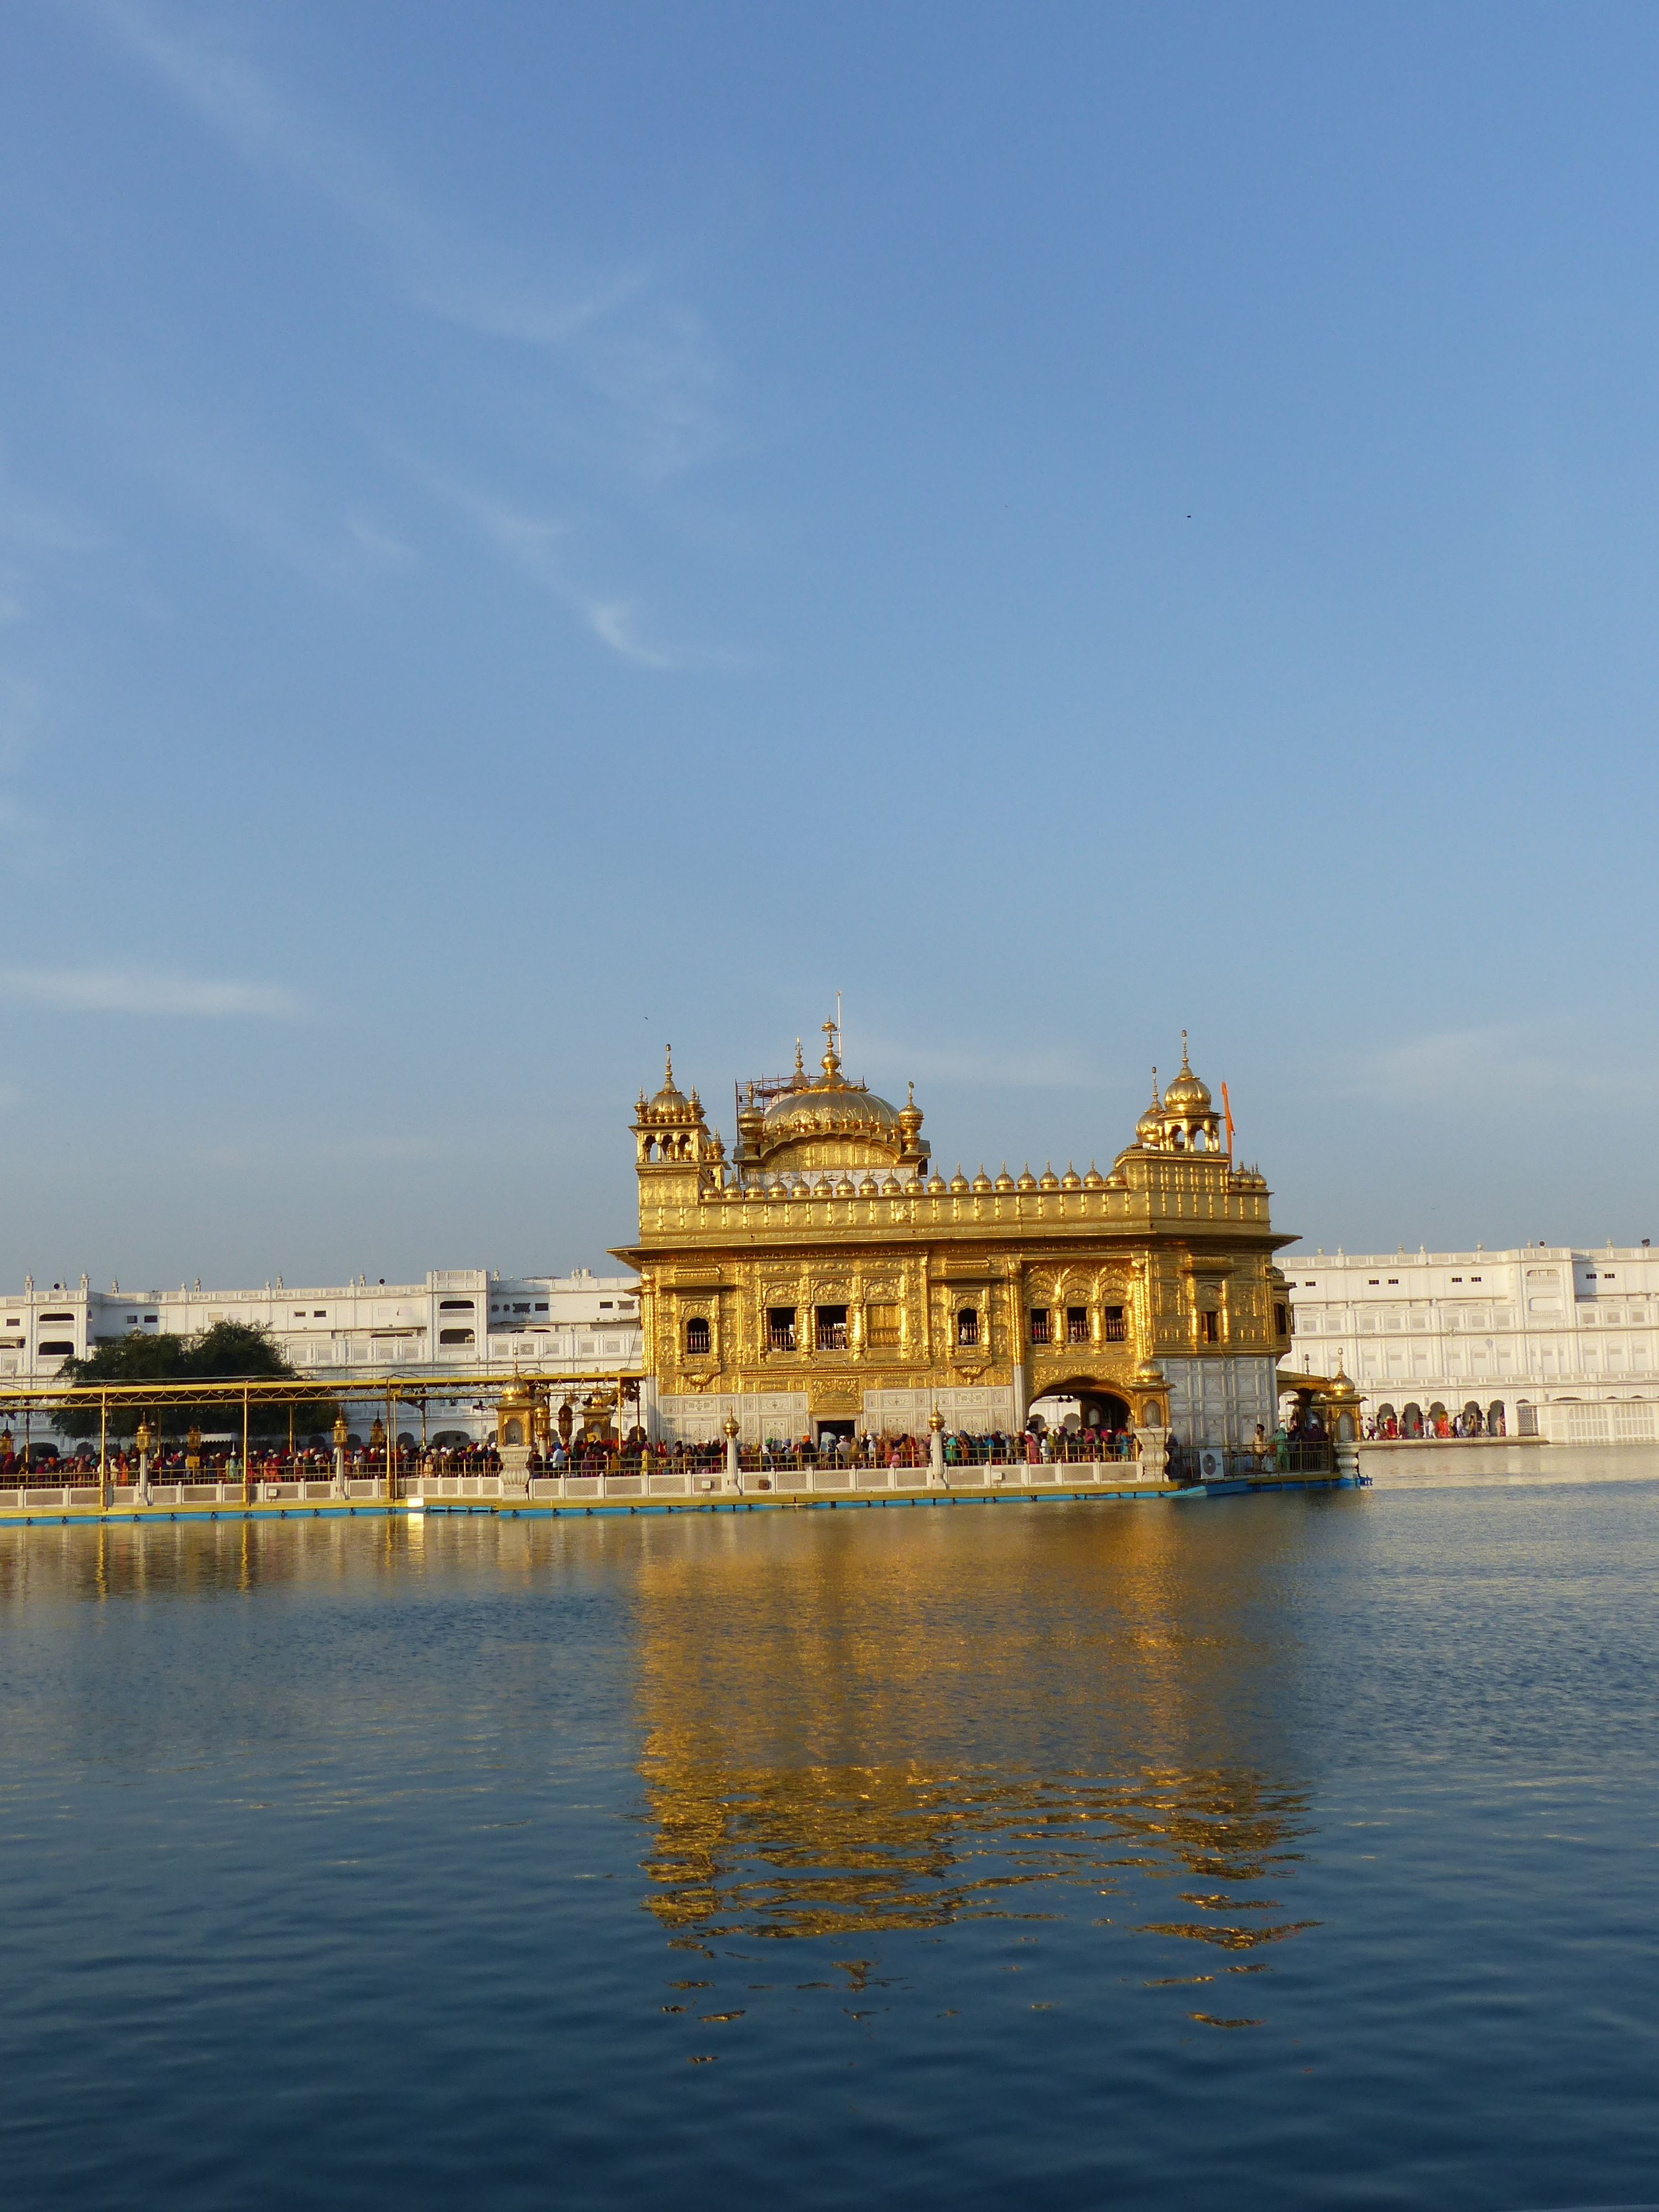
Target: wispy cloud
<point>630,363</point>
<point>140,991</point>
<point>537,544</point>
<point>1486,1065</point>
<point>648,356</point>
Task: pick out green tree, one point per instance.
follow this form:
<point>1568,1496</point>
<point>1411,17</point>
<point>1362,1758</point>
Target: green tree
<point>229,1351</point>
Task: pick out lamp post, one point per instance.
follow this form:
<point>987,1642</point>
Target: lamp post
<point>339,1454</point>
<point>733,1464</point>
<point>140,1446</point>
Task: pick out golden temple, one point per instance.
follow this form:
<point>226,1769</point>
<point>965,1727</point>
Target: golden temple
<point>827,1279</point>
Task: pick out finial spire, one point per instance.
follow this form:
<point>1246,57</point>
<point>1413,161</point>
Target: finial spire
<point>831,1061</point>
<point>668,1066</point>
<point>1184,1068</point>
<point>801,1070</point>
<point>1157,1101</point>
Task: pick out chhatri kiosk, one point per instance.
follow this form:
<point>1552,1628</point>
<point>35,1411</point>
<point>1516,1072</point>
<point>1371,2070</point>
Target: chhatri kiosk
<point>827,1279</point>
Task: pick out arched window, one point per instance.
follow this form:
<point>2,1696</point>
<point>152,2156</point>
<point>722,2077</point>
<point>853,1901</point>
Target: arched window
<point>454,1336</point>
<point>967,1326</point>
<point>697,1337</point>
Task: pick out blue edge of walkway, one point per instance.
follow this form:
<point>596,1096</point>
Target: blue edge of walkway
<point>371,1509</point>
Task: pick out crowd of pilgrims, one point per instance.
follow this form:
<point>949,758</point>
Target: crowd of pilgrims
<point>1039,1444</point>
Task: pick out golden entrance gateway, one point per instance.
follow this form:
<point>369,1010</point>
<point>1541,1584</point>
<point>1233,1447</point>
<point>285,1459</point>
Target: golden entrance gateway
<point>827,1280</point>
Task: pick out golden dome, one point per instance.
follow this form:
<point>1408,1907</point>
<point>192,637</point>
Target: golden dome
<point>846,1109</point>
<point>669,1099</point>
<point>1149,1129</point>
<point>830,1106</point>
<point>1186,1095</point>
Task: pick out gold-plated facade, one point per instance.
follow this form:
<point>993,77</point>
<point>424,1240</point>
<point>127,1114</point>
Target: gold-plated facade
<point>828,1275</point>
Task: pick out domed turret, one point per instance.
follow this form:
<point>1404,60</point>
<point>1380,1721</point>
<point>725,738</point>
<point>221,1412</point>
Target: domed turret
<point>670,1127</point>
<point>670,1098</point>
<point>1190,1122</point>
<point>1149,1129</point>
<point>1186,1095</point>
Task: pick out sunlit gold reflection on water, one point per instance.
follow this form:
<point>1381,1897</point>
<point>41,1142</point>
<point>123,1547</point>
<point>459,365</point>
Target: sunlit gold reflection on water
<point>859,1725</point>
<point>845,1735</point>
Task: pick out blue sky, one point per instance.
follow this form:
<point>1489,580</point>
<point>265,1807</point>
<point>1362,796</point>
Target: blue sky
<point>530,531</point>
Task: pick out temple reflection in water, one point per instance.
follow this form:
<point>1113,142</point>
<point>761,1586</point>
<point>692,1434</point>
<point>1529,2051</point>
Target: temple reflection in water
<point>854,1734</point>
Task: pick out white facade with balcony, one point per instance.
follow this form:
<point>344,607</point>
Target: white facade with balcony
<point>1561,1341</point>
<point>459,1321</point>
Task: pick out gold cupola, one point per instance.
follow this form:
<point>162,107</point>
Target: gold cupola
<point>1190,1122</point>
<point>829,1122</point>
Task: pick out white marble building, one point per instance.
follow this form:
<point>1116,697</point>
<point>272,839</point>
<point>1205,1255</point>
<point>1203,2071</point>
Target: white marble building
<point>459,1321</point>
<point>1558,1341</point>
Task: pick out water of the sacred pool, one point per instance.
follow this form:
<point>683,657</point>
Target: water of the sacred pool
<point>1271,1852</point>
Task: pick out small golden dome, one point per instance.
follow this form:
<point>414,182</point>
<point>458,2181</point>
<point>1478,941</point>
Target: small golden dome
<point>1071,1180</point>
<point>1004,1180</point>
<point>1050,1180</point>
<point>1027,1179</point>
<point>1149,1129</point>
<point>1094,1180</point>
<point>670,1099</point>
<point>1186,1095</point>
<point>981,1180</point>
<point>959,1182</point>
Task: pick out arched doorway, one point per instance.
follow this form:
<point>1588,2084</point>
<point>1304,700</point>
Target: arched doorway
<point>1078,1403</point>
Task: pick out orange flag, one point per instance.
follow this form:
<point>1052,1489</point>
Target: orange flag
<point>1227,1116</point>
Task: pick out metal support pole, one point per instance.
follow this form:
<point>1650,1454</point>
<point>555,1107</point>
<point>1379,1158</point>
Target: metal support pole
<point>390,1450</point>
<point>103,1448</point>
<point>247,1470</point>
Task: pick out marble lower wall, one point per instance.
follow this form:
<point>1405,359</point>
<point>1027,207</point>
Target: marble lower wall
<point>786,1415</point>
<point>978,1410</point>
<point>1219,1401</point>
<point>700,1419</point>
